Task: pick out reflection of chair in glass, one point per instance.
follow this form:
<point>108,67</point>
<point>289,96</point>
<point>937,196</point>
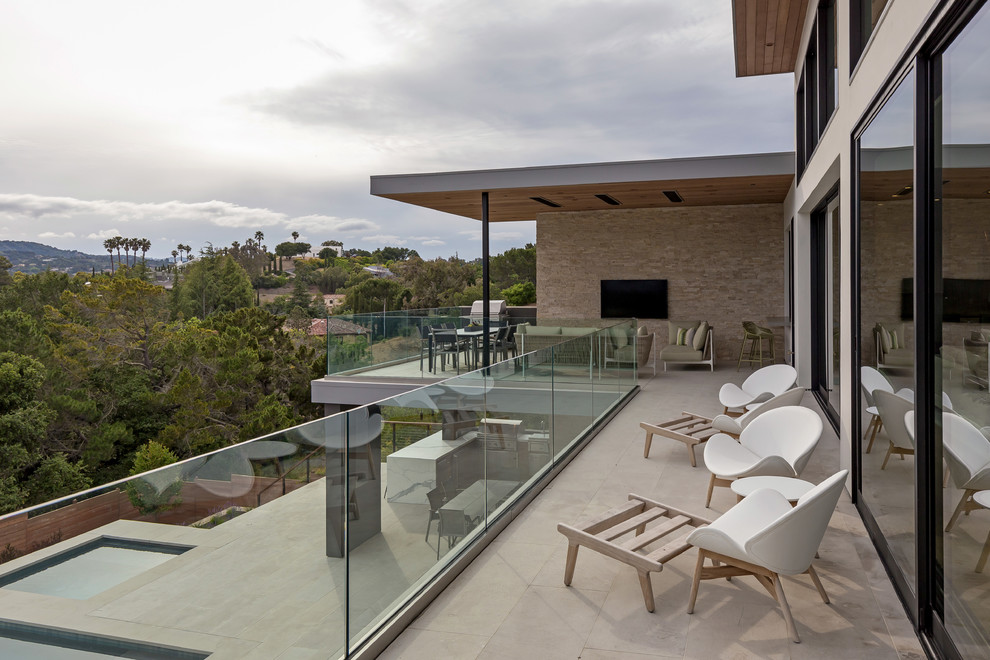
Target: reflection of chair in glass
<point>891,409</point>
<point>455,525</point>
<point>765,537</point>
<point>872,381</point>
<point>967,451</point>
<point>437,498</point>
<point>763,384</point>
<point>755,335</point>
<point>976,362</point>
<point>777,443</point>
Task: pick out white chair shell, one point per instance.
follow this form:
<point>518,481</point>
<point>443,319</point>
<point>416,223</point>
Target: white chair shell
<point>763,384</point>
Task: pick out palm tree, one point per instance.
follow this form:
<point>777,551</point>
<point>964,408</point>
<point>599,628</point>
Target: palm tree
<point>259,236</point>
<point>295,236</point>
<point>175,257</point>
<point>108,245</point>
<point>145,246</point>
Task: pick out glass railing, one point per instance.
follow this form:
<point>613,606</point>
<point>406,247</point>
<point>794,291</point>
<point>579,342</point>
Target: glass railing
<point>363,509</point>
<point>427,343</point>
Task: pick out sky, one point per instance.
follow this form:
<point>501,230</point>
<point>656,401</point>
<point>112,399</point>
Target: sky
<point>204,122</point>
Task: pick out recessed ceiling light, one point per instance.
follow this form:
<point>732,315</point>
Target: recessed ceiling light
<point>544,200</point>
<point>673,196</point>
<point>608,199</point>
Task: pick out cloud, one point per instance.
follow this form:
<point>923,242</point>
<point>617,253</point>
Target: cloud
<point>328,223</point>
<point>51,234</point>
<point>104,234</point>
<point>433,242</point>
<point>385,239</point>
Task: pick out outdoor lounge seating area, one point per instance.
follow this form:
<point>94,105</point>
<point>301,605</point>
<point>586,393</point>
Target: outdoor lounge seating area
<point>513,602</point>
<point>689,342</point>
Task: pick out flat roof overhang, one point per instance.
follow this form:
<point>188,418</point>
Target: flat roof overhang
<point>766,35</point>
<point>705,181</point>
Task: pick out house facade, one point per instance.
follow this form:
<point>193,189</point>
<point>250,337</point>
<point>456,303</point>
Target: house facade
<point>888,223</point>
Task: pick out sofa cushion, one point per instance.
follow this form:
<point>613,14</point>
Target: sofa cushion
<point>542,330</point>
<point>675,353</point>
<point>642,332</point>
<point>899,357</point>
<point>674,326</point>
<point>700,337</point>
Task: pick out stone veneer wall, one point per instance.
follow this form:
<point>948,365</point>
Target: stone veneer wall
<point>723,264</point>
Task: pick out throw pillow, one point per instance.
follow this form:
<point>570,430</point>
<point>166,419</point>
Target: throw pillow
<point>619,336</point>
<point>689,339</point>
<point>682,336</point>
<point>701,336</point>
<point>895,342</point>
<point>884,338</point>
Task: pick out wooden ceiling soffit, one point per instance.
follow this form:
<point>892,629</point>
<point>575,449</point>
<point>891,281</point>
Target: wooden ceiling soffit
<point>767,34</point>
<point>518,204</point>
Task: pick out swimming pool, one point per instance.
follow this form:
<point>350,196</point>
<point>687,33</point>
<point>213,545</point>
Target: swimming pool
<point>91,568</point>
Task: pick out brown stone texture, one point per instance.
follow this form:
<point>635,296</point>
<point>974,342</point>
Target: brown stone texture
<point>723,264</point>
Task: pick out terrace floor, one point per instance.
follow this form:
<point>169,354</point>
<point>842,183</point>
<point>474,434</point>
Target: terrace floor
<point>260,585</point>
<point>511,601</point>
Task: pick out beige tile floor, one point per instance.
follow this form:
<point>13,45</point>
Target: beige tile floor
<point>511,601</point>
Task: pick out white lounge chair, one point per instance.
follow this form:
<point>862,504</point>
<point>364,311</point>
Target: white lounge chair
<point>735,425</point>
<point>891,409</point>
<point>762,385</point>
<point>776,443</point>
<point>765,537</point>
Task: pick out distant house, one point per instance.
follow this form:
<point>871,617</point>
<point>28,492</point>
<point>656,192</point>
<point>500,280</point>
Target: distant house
<point>379,271</point>
<point>338,327</point>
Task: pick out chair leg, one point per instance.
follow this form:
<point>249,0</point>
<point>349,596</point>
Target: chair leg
<point>876,429</point>
<point>697,580</point>
<point>649,443</point>
<point>959,508</point>
<point>788,619</point>
<point>818,584</point>
<point>886,458</point>
<point>572,553</point>
<point>711,487</point>
<point>980,565</point>
<point>647,587</point>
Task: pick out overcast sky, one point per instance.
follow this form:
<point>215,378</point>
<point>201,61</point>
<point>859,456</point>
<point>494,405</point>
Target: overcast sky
<point>206,121</point>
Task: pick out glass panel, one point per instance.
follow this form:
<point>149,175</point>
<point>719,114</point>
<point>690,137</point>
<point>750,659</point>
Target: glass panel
<point>886,315</point>
<point>832,315</point>
<point>965,317</point>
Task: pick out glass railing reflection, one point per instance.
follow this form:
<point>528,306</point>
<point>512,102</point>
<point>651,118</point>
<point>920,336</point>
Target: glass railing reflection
<point>385,496</point>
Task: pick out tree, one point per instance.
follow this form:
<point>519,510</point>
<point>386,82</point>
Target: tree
<point>435,283</point>
<point>388,254</point>
<point>158,491</point>
<point>212,284</point>
<point>514,266</point>
<point>108,244</point>
<point>23,422</point>
<point>373,295</point>
<point>523,293</point>
<point>332,278</point>
<point>56,477</point>
<point>145,245</point>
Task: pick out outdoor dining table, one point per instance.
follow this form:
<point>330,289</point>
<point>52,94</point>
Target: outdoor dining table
<point>478,498</point>
<point>475,334</point>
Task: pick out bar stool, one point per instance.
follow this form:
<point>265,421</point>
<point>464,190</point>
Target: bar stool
<point>755,335</point>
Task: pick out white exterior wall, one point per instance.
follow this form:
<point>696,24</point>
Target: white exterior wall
<point>831,164</point>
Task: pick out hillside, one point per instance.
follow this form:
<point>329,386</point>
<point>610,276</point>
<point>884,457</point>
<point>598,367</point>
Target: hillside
<point>28,257</point>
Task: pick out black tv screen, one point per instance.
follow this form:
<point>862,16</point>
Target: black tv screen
<point>963,301</point>
<point>642,299</point>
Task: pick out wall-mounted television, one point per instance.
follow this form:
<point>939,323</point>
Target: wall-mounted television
<point>641,299</point>
<point>963,301</point>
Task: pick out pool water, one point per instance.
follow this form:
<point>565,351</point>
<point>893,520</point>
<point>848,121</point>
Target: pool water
<point>91,568</point>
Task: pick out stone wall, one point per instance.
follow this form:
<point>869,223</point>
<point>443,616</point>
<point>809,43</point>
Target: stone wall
<point>723,264</point>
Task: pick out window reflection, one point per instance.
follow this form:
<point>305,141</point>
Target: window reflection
<point>963,308</point>
<point>887,327</point>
